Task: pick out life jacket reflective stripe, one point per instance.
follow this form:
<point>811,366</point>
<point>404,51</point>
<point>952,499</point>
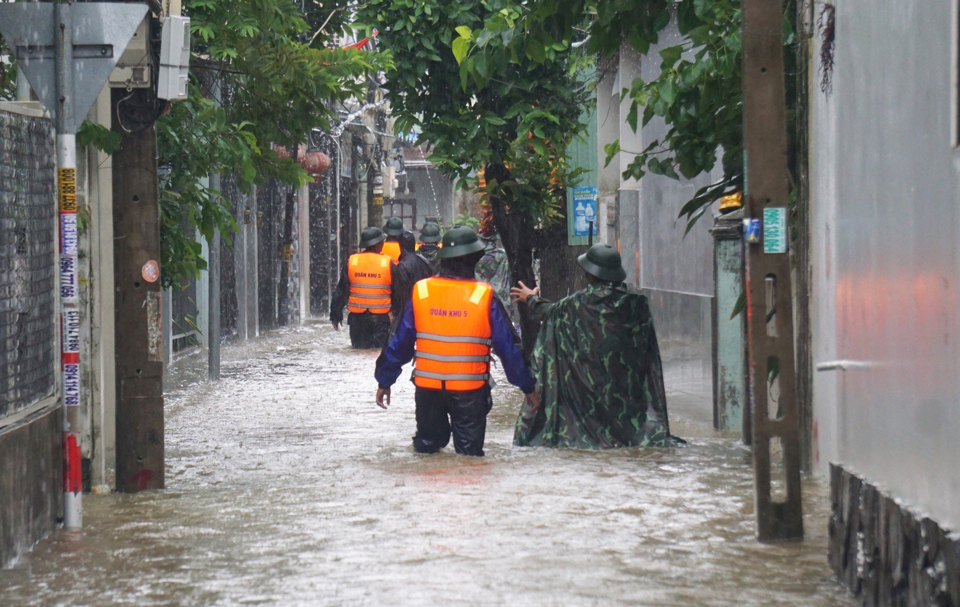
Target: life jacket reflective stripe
<point>370,276</point>
<point>392,250</point>
<point>452,319</point>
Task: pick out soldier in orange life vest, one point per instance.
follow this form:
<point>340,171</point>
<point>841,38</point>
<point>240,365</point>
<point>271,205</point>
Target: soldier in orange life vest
<point>450,327</point>
<point>365,288</point>
<point>393,229</point>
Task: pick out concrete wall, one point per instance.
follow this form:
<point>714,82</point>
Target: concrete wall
<point>886,256</point>
<point>30,481</point>
<point>676,272</point>
<point>95,181</point>
<point>434,194</point>
<point>30,420</point>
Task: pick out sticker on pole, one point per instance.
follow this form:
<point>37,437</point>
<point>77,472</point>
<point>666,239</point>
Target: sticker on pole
<point>68,190</point>
<point>68,234</point>
<point>71,331</point>
<point>68,279</point>
<point>71,385</point>
<point>150,271</point>
<point>775,230</point>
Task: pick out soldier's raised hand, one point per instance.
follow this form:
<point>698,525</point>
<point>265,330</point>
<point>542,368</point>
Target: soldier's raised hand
<point>522,293</point>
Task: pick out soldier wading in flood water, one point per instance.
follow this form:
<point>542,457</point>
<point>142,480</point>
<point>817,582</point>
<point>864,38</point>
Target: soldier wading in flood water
<point>394,230</point>
<point>428,249</point>
<point>365,287</point>
<point>598,365</point>
<point>411,269</point>
<point>451,323</point>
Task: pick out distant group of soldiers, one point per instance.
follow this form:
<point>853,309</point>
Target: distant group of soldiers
<point>445,303</point>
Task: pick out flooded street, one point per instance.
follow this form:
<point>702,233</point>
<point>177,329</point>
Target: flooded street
<point>288,486</point>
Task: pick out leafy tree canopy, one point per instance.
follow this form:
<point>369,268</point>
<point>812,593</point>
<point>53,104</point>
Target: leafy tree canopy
<point>276,82</point>
<point>475,100</point>
<point>460,84</point>
<point>698,92</point>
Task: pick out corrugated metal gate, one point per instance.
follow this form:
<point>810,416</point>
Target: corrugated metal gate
<point>404,208</point>
<point>231,261</point>
<point>183,315</point>
<point>324,226</point>
<point>27,262</point>
<point>271,199</point>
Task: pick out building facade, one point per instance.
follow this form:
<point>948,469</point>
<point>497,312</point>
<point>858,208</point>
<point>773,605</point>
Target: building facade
<point>885,188</point>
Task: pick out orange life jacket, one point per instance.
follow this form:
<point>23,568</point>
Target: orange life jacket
<point>452,319</point>
<point>370,277</point>
<point>392,250</point>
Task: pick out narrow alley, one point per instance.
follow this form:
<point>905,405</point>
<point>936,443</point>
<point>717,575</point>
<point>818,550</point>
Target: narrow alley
<point>287,486</point>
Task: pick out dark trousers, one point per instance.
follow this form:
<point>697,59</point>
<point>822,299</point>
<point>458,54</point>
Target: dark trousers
<point>368,330</point>
<point>440,412</point>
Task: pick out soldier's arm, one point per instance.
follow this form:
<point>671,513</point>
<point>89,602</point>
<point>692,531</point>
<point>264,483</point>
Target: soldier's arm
<point>539,306</point>
<point>396,289</point>
<point>339,299</point>
<point>398,352</point>
<point>507,346</point>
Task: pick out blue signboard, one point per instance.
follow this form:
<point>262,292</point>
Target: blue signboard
<point>585,211</point>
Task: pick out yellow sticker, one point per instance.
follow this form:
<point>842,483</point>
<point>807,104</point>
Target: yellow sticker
<point>385,261</point>
<point>422,291</point>
<point>68,190</point>
<point>478,294</point>
<point>354,260</point>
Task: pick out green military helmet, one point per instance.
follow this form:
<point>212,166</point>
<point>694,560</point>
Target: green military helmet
<point>459,242</point>
<point>394,227</point>
<point>603,261</point>
<point>371,236</point>
<point>430,233</point>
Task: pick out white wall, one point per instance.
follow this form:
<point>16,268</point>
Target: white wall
<point>886,255</point>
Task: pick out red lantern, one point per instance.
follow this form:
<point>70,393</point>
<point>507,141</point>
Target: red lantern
<point>315,163</point>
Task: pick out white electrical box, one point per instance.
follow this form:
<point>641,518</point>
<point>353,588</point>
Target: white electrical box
<point>171,8</point>
<point>133,68</point>
<point>174,59</point>
<point>389,187</point>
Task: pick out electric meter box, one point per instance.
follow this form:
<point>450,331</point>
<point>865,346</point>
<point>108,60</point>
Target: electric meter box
<point>133,69</point>
<point>174,72</point>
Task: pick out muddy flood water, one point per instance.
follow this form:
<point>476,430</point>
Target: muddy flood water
<point>286,485</point>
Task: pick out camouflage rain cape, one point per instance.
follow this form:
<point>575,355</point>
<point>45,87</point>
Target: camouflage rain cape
<point>494,268</point>
<point>601,380</point>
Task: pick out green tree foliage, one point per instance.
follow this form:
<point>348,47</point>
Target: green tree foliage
<point>276,81</point>
<point>8,73</point>
<point>698,92</point>
<point>461,85</point>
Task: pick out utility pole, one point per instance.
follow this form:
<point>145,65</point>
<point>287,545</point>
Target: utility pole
<point>69,271</point>
<point>286,253</point>
<point>769,303</point>
<point>139,343</point>
<point>213,326</point>
<point>213,301</point>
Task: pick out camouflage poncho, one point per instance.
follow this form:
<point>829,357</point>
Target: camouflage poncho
<point>494,268</point>
<point>598,366</point>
